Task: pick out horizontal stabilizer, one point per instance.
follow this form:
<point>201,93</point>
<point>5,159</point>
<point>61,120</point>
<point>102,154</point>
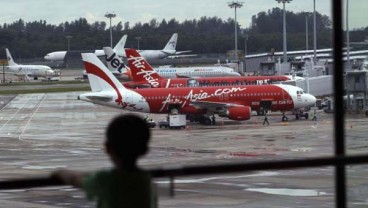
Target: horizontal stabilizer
<point>100,98</point>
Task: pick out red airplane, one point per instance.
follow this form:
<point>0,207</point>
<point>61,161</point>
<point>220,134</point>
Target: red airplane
<point>235,103</point>
<point>143,75</point>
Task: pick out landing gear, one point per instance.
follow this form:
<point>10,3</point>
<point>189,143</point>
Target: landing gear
<point>301,114</point>
<point>205,120</point>
<point>284,117</point>
<point>202,119</point>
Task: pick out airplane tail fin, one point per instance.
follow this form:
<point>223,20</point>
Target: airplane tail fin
<point>113,61</point>
<point>140,69</point>
<point>99,77</point>
<point>119,47</point>
<point>10,59</point>
<point>171,45</point>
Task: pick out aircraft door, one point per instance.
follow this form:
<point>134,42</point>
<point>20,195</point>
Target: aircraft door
<point>223,97</point>
<point>284,94</point>
<point>264,106</point>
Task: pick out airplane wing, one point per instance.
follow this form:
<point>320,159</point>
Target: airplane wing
<point>181,56</point>
<point>180,52</point>
<point>212,106</point>
<point>100,98</point>
<point>135,86</point>
<point>184,76</point>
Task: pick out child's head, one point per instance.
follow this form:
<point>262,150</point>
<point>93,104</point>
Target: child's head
<point>127,137</point>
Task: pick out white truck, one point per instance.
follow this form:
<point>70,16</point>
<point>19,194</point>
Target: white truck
<point>176,121</point>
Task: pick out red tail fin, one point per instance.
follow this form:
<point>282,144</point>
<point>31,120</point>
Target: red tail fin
<point>140,69</point>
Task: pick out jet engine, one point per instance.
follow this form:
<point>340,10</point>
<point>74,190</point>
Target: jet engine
<point>239,113</point>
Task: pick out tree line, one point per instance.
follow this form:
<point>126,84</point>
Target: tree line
<point>203,36</point>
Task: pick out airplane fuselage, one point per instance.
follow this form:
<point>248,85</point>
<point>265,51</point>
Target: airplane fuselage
<point>207,81</point>
<point>156,54</point>
<point>205,71</point>
<point>31,70</point>
<point>282,97</point>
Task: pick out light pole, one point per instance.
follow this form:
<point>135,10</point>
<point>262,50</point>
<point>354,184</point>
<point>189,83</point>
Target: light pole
<point>306,34</point>
<point>314,33</point>
<point>245,50</point>
<point>68,37</point>
<point>347,36</point>
<point>110,16</point>
<point>284,30</point>
<point>235,5</point>
<point>138,39</point>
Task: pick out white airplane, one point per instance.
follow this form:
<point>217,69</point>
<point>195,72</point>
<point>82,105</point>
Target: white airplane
<point>169,51</point>
<point>60,55</point>
<point>118,68</point>
<point>34,71</point>
<point>353,55</point>
<point>324,55</point>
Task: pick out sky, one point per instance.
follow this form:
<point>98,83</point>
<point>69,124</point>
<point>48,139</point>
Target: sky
<point>59,11</point>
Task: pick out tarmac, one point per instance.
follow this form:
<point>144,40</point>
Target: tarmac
<point>45,131</point>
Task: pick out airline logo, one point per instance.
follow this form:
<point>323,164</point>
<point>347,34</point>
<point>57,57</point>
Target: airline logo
<point>192,97</point>
<point>173,44</point>
<point>203,70</point>
<point>115,62</point>
<point>140,64</point>
<point>166,70</point>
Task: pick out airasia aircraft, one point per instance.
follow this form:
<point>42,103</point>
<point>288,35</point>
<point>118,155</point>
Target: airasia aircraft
<point>143,75</point>
<point>235,103</point>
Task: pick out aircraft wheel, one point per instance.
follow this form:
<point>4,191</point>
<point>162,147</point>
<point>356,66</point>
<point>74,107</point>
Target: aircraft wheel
<point>207,121</point>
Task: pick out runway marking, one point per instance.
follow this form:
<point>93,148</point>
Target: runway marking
<point>33,113</point>
<point>14,113</point>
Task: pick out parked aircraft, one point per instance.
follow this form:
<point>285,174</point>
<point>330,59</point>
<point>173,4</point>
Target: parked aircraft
<point>27,71</point>
<point>119,69</point>
<point>234,103</point>
<point>143,75</point>
<point>324,55</point>
<point>60,55</point>
<point>169,51</point>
